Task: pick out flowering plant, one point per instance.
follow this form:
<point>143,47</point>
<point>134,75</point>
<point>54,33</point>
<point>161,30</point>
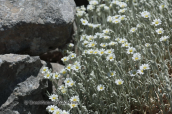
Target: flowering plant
<point>122,60</point>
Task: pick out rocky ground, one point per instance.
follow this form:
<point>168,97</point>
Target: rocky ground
<point>31,35</point>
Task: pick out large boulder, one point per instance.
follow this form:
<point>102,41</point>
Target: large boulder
<point>35,26</point>
<point>21,81</point>
<point>24,97</point>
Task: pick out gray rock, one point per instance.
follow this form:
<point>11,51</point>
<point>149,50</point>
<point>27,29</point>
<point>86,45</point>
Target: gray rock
<point>21,81</point>
<point>35,26</point>
<point>8,111</point>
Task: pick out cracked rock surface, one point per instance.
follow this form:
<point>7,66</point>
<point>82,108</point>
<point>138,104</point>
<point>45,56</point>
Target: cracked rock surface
<point>21,81</point>
<point>35,26</point>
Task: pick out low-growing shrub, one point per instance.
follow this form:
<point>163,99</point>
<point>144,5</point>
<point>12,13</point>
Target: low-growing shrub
<point>122,60</point>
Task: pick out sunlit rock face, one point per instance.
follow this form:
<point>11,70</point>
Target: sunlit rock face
<point>35,27</point>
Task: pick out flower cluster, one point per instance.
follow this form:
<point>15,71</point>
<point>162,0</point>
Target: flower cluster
<point>122,63</point>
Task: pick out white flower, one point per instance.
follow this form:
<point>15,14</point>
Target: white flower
<point>140,71</point>
<point>147,44</point>
<point>162,6</point>
<point>109,19</point>
<point>48,75</point>
<point>90,51</point>
<point>56,75</point>
<point>83,8</point>
<point>96,25</point>
<point>64,90</point>
<point>90,25</point>
<point>61,87</point>
<point>122,41</point>
<point>78,9</point>
<point>45,69</point>
<point>76,63</point>
<point>122,10</point>
<point>74,99</point>
<point>119,81</point>
<point>164,38</point>
<point>160,31</point>
<point>90,37</point>
<point>138,26</point>
<point>80,13</point>
<point>96,51</point>
<point>72,55</point>
<point>144,66</point>
<point>83,21</point>
<point>64,112</point>
<point>118,39</point>
<point>70,84</point>
<point>95,36</point>
<point>71,45</point>
<point>92,44</point>
<point>116,16</point>
<point>130,50</point>
<point>110,57</point>
<point>94,2</point>
<point>106,8</point>
<point>116,21</point>
<point>83,37</point>
<point>57,111</point>
<point>76,67</point>
<point>101,5</point>
<point>51,108</point>
<point>111,73</point>
<point>113,43</point>
<point>126,44</point>
<point>133,29</point>
<point>115,2</point>
<point>53,97</point>
<point>136,56</point>
<point>100,87</point>
<point>64,59</point>
<point>90,7</point>
<point>106,31</point>
<point>123,17</point>
<point>69,67</point>
<point>63,71</point>
<point>145,14</point>
<point>156,22</point>
<point>103,44</point>
<point>106,37</point>
<point>98,10</point>
<point>85,43</point>
<point>109,51</point>
<point>122,4</point>
<point>101,51</point>
<point>67,81</point>
<point>73,105</point>
<point>85,52</point>
<point>101,35</point>
<point>133,72</point>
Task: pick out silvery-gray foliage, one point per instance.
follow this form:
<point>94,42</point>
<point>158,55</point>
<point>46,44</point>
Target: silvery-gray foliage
<point>124,80</point>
